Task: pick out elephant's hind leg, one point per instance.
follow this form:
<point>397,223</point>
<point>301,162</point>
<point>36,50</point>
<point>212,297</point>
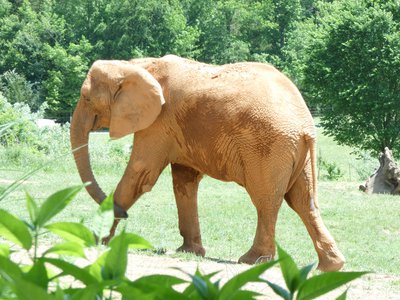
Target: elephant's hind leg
<point>186,182</point>
<point>267,204</point>
<point>300,200</point>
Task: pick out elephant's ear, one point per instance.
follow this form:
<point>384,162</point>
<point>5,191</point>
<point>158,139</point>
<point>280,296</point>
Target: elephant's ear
<point>137,103</point>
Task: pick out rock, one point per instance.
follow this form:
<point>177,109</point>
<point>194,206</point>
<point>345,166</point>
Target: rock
<point>386,179</point>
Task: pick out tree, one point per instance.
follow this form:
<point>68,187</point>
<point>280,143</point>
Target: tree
<point>35,46</point>
<point>352,73</point>
<point>122,29</point>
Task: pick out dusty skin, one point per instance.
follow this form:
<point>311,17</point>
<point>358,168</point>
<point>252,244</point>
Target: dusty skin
<point>243,122</point>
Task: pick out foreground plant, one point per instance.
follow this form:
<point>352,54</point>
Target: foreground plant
<point>43,276</point>
<point>300,287</point>
<point>39,279</point>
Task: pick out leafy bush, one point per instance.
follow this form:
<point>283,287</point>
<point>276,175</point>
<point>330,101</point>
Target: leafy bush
<point>17,89</point>
<point>329,170</point>
<point>299,286</point>
<point>37,280</point>
<point>22,142</point>
<point>105,277</point>
<point>21,128</point>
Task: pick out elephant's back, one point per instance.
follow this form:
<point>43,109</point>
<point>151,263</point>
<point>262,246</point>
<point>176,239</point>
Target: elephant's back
<point>247,85</point>
<point>235,103</point>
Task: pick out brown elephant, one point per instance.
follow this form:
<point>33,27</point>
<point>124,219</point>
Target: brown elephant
<point>243,122</point>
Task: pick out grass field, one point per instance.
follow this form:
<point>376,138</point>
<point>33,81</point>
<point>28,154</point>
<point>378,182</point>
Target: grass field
<point>366,228</point>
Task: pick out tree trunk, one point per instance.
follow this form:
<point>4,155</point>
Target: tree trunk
<point>385,180</point>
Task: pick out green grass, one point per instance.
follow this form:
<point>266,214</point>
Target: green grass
<point>354,167</point>
<point>366,228</point>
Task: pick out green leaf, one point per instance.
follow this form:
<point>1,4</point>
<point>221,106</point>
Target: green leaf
<point>117,258</point>
<point>305,271</point>
<point>4,250</point>
<point>343,296</point>
<point>324,283</point>
<point>67,268</point>
<point>96,268</point>
<point>203,285</point>
<point>279,290</point>
<point>32,208</point>
<point>68,248</point>
<point>134,241</point>
<point>14,230</point>
<point>88,293</point>
<point>26,290</point>
<point>237,282</point>
<point>243,295</point>
<point>289,269</point>
<point>73,232</point>
<point>104,218</point>
<point>130,292</point>
<point>9,270</point>
<point>191,290</point>
<point>151,287</point>
<point>157,280</point>
<point>56,203</point>
<point>59,294</point>
<point>38,274</point>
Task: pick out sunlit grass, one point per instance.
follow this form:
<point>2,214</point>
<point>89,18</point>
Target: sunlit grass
<point>367,228</point>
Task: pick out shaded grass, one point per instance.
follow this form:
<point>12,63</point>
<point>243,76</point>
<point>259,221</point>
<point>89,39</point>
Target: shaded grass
<point>367,228</point>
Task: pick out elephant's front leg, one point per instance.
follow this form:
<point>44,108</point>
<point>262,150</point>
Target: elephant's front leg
<point>139,178</point>
<point>186,182</point>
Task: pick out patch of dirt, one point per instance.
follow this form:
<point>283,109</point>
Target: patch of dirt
<point>368,287</point>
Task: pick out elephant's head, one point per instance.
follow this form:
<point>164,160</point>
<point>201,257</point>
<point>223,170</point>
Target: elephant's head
<point>115,95</point>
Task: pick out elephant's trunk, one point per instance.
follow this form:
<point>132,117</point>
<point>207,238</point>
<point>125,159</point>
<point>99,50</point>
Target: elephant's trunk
<point>81,125</point>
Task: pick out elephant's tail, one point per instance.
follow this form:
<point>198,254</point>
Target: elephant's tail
<point>311,145</point>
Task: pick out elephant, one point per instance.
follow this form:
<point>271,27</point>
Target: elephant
<point>243,122</point>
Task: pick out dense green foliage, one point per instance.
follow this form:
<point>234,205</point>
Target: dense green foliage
<point>352,73</point>
<point>343,54</point>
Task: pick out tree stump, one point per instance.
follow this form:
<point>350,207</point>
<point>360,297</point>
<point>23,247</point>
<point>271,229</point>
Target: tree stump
<point>385,180</point>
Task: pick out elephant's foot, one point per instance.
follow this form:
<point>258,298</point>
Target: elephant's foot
<point>194,248</point>
<point>106,240</point>
<point>119,212</point>
<point>254,257</point>
<point>332,260</point>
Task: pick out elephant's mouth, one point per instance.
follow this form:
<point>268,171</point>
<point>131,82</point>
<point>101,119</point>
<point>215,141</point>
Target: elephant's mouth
<point>97,124</point>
